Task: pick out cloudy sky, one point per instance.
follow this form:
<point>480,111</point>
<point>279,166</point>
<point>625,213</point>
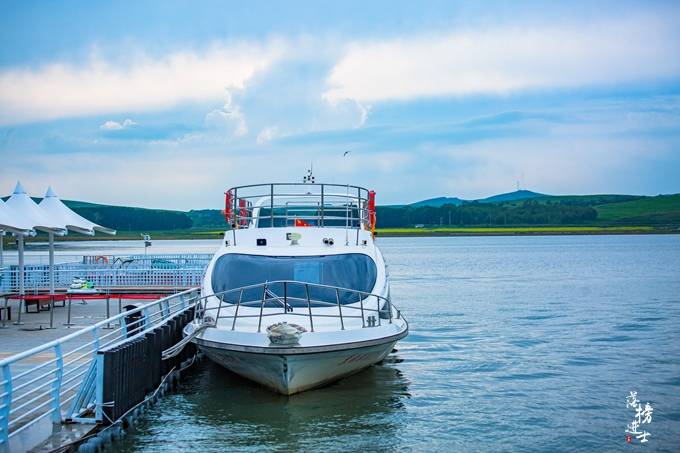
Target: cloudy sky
<point>146,104</point>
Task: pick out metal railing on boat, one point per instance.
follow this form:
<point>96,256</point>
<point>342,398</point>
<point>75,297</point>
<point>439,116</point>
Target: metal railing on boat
<point>372,309</point>
<point>59,379</point>
<point>295,204</point>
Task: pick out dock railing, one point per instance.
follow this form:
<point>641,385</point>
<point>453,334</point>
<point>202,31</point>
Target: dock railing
<point>58,380</point>
<point>296,298</point>
<point>110,271</point>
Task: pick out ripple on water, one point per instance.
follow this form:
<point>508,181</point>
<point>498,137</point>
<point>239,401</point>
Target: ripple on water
<point>633,327</point>
<point>476,367</point>
<point>675,416</point>
<point>422,339</point>
<point>527,376</point>
<point>674,381</point>
<point>539,317</point>
<point>527,342</point>
<point>652,318</point>
<point>612,339</point>
<point>584,361</point>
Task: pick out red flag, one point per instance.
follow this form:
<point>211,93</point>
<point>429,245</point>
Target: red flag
<point>301,223</point>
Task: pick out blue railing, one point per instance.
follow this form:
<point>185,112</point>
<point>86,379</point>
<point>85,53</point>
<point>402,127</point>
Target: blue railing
<point>112,271</point>
<point>58,380</point>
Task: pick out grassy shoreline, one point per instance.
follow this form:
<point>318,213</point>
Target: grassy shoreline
<point>385,232</point>
<point>524,231</point>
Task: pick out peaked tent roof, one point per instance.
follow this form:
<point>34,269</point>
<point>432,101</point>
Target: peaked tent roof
<point>55,210</point>
<point>11,221</point>
<point>27,211</point>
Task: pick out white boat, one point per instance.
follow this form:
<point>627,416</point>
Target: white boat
<point>297,296</point>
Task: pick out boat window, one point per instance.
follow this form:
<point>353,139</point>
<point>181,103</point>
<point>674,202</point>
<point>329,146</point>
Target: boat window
<point>333,216</point>
<point>353,271</point>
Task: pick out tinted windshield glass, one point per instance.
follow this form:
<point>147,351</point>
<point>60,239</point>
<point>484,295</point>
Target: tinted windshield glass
<point>352,271</point>
<point>333,216</point>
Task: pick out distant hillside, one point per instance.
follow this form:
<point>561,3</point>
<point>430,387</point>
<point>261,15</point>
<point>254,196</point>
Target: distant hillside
<point>662,209</point>
<point>455,201</point>
<point>437,202</point>
<point>538,209</point>
<point>207,218</point>
<point>501,210</point>
<point>126,218</point>
<point>513,196</point>
<point>135,219</point>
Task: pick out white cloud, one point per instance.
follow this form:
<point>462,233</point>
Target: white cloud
<point>505,60</point>
<point>60,90</point>
<point>364,110</point>
<point>116,126</point>
<point>228,117</point>
<point>266,135</point>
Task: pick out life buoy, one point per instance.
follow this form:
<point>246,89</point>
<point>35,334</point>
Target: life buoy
<point>243,212</point>
<point>228,205</point>
<point>101,259</point>
<point>371,212</point>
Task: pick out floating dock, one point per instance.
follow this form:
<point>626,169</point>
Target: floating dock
<point>71,373</point>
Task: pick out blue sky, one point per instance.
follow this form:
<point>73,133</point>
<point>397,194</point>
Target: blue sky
<point>167,104</point>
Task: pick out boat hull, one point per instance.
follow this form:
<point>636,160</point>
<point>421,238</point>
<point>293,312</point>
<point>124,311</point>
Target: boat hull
<point>293,373</point>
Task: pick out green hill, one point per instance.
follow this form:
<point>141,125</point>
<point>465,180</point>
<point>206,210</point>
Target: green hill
<point>455,201</point>
<point>512,196</point>
<point>662,209</point>
<point>127,218</point>
<point>436,202</point>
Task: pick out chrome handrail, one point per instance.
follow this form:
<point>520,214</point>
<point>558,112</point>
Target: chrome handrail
<point>348,206</point>
<point>384,306</point>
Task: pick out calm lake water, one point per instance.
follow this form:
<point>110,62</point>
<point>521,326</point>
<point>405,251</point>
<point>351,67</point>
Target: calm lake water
<point>516,343</point>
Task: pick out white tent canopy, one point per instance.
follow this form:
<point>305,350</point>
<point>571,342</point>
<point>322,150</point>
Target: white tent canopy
<point>55,210</point>
<point>21,215</point>
<point>13,222</point>
<point>28,211</point>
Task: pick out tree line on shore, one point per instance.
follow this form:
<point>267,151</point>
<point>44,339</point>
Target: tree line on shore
<point>528,212</point>
<point>523,213</point>
<point>135,219</point>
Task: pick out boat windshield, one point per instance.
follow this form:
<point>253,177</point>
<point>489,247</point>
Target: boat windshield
<point>351,270</point>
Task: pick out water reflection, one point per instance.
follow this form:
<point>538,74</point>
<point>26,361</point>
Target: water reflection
<point>220,411</point>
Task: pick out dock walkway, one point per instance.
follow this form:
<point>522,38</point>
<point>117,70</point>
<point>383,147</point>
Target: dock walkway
<point>50,375</point>
<point>35,330</point>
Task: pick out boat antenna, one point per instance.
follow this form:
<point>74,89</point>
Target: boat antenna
<point>347,217</point>
<point>345,155</point>
<point>309,177</point>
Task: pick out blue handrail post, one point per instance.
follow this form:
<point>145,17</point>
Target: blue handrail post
<point>123,327</point>
<point>145,319</point>
<point>95,334</point>
<point>163,307</point>
<point>99,389</point>
<point>56,385</point>
<point>7,403</point>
